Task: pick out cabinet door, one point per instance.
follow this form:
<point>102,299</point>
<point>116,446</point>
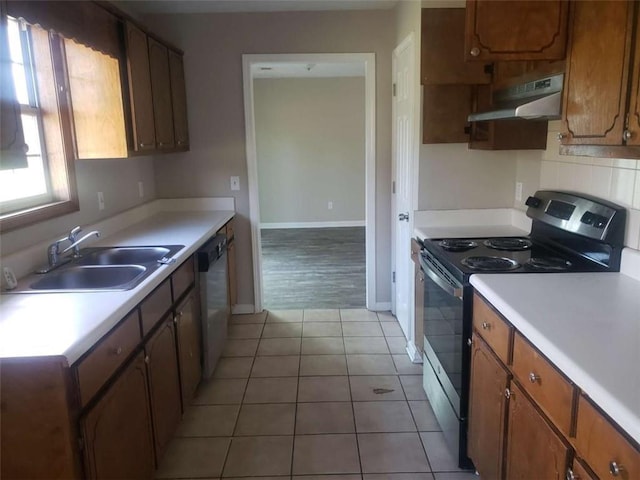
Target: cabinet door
<point>164,384</point>
<point>117,430</point>
<point>144,137</point>
<point>444,113</point>
<point>522,30</point>
<point>419,310</point>
<point>596,79</point>
<point>189,346</point>
<point>533,449</point>
<point>231,266</point>
<point>487,410</point>
<point>634,103</point>
<point>161,93</point>
<point>442,61</point>
<point>178,100</point>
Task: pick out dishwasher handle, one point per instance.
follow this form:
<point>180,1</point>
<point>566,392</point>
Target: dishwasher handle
<point>211,252</point>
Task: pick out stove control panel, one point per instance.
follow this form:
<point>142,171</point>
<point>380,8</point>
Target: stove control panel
<point>578,213</point>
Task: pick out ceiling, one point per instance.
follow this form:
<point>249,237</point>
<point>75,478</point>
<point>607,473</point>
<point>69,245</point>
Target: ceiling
<point>219,6</point>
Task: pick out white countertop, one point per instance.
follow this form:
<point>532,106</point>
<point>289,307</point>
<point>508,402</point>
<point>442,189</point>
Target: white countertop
<point>587,324</point>
<point>478,223</point>
<point>68,324</point>
<point>478,231</point>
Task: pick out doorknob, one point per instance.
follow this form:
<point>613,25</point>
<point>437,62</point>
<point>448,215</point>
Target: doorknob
<point>403,216</point>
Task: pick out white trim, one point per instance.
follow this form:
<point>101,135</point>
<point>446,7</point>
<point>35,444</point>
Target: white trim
<point>243,309</point>
<point>414,354</point>
<point>366,59</point>
<point>380,307</point>
<point>345,223</point>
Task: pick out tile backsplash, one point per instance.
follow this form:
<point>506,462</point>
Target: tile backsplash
<point>614,179</point>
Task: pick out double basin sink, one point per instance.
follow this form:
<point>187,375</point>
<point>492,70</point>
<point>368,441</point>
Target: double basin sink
<point>105,268</point>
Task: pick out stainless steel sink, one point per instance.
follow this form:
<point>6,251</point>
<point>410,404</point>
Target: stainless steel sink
<point>101,269</point>
<point>127,255</point>
<point>91,277</point>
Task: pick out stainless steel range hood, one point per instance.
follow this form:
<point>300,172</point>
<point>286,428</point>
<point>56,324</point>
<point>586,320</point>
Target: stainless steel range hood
<point>536,100</point>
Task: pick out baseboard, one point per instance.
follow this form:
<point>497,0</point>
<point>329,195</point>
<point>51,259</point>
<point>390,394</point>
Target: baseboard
<point>413,352</point>
<point>381,307</point>
<point>243,309</point>
<point>346,223</point>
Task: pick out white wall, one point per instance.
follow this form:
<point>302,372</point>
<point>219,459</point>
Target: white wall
<point>310,144</point>
<point>213,46</point>
<point>117,179</point>
<point>617,180</point>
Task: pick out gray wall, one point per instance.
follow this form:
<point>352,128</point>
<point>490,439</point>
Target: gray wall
<point>310,144</point>
<point>213,45</point>
<point>117,179</point>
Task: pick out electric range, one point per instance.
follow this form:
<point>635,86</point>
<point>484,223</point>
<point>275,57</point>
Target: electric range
<point>570,232</point>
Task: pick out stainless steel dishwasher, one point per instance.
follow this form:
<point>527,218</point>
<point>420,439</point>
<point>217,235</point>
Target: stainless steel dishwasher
<point>214,300</point>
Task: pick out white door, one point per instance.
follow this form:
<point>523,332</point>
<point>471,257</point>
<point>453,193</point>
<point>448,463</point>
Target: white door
<point>403,156</point>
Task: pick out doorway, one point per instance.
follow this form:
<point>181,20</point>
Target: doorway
<point>254,67</point>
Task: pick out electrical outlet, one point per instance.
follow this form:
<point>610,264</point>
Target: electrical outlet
<point>235,183</point>
<point>100,201</point>
<point>518,191</point>
<point>330,205</point>
<point>140,189</point>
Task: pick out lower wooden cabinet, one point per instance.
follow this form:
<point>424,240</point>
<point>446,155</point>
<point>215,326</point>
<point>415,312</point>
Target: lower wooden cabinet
<point>533,449</point>
<point>487,410</point>
<point>189,346</point>
<point>527,421</point>
<point>118,440</point>
<point>164,384</point>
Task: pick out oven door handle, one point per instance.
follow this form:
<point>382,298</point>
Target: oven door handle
<point>440,281</point>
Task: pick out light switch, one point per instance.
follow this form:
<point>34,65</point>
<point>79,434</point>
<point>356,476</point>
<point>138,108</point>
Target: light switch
<point>235,183</point>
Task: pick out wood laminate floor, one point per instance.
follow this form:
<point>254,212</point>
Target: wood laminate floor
<point>313,267</point>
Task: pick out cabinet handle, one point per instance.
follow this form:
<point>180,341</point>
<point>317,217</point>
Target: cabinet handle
<point>146,359</point>
<point>627,135</point>
<point>474,52</point>
<point>571,476</point>
<point>486,325</point>
<point>615,469</point>
<point>560,136</point>
<point>116,351</point>
<point>143,145</point>
<point>507,393</point>
<point>469,341</point>
<point>533,378</point>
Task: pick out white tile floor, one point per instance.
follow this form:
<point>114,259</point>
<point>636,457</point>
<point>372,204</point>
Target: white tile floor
<point>313,395</point>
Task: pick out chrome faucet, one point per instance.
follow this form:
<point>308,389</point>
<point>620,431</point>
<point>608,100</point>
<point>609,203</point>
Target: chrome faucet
<point>53,250</point>
<point>75,244</point>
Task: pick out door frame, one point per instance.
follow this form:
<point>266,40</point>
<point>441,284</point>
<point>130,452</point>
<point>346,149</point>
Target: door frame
<point>368,61</point>
<point>407,43</point>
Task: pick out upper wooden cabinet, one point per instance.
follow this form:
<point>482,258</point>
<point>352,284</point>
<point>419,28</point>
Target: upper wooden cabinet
<point>141,101</point>
<point>178,100</point>
<point>522,30</point>
<point>157,94</point>
<point>161,94</point>
<point>601,114</point>
<point>442,52</point>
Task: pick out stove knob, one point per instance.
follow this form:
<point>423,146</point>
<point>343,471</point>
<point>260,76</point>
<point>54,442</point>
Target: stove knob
<point>533,202</point>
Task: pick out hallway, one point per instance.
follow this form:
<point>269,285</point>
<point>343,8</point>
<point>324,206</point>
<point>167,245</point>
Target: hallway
<point>312,394</point>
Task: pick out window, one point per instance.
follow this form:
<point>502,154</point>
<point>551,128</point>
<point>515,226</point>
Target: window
<point>29,186</point>
<point>45,186</point>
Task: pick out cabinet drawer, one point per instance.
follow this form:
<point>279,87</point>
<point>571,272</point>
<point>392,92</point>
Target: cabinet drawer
<point>553,393</point>
<point>493,329</point>
<point>600,444</point>
<point>182,278</point>
<point>155,306</point>
<point>96,368</point>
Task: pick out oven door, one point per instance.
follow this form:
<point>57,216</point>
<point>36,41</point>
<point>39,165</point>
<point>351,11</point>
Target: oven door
<point>443,323</point>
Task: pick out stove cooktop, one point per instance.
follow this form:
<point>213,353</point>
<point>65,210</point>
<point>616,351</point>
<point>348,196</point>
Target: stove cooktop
<point>464,257</point>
